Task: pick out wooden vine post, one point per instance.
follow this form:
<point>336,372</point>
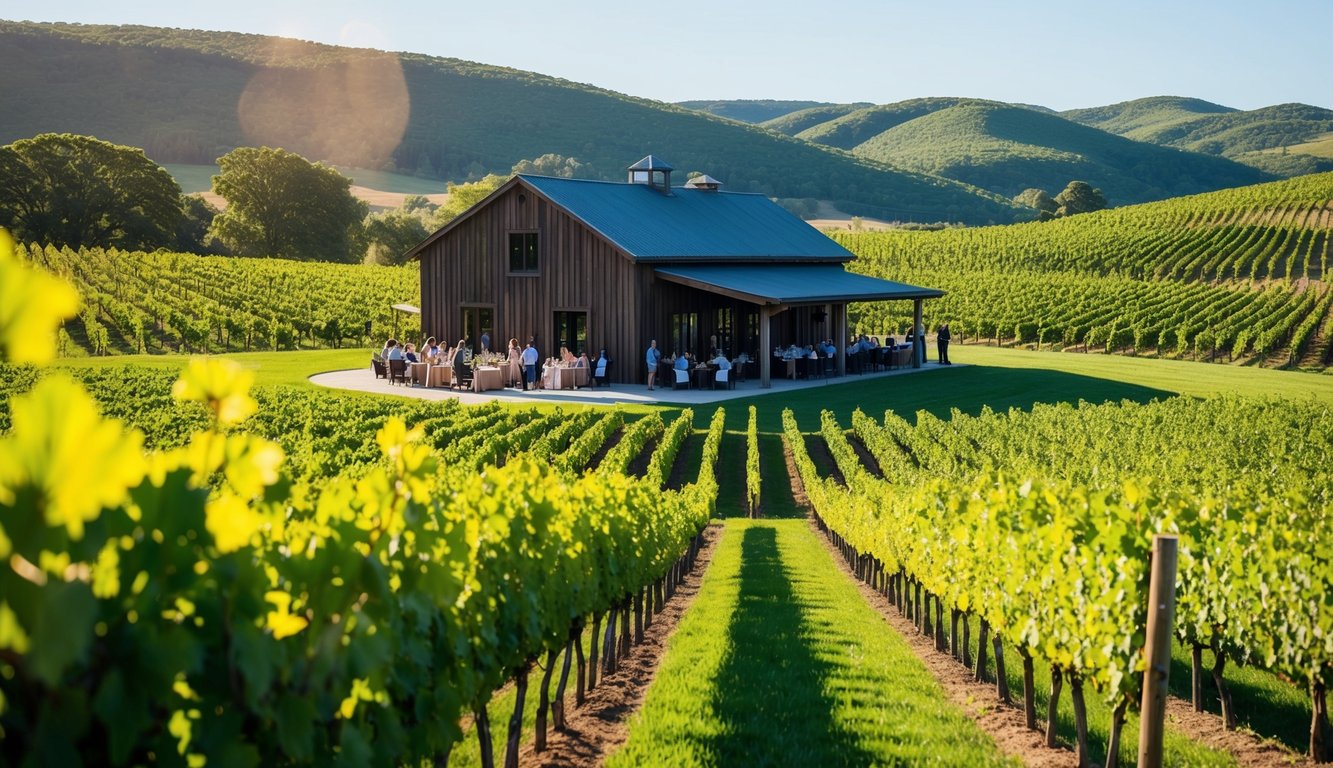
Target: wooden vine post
<point>1161,613</point>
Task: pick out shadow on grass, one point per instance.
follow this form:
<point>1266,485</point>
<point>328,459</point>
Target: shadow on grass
<point>967,388</point>
<point>1264,703</point>
<point>770,690</point>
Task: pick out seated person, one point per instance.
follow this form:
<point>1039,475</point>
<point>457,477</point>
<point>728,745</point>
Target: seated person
<point>566,356</point>
<point>410,354</point>
<point>581,361</point>
<point>393,351</point>
<point>721,361</point>
<point>811,353</point>
<point>682,363</point>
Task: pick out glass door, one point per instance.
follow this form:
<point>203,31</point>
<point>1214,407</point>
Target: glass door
<point>571,330</point>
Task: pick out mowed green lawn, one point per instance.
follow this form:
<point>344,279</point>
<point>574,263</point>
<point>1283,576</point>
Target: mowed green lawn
<point>1008,378</point>
<point>292,368</point>
<point>780,661</point>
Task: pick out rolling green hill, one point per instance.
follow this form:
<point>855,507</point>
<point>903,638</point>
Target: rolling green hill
<point>750,110</point>
<point>858,127</point>
<point>1006,149</point>
<point>795,122</point>
<point>1136,118</point>
<point>1255,137</point>
<point>190,96</point>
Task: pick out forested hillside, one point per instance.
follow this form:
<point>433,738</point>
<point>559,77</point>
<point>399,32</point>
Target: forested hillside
<point>1007,148</point>
<point>750,110</point>
<point>190,96</point>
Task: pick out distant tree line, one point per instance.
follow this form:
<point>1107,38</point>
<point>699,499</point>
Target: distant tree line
<point>79,191</point>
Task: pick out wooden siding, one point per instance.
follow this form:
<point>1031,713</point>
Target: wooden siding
<point>577,271</point>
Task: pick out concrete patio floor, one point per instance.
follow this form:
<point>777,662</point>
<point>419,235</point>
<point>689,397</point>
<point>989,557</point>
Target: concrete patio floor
<point>363,380</point>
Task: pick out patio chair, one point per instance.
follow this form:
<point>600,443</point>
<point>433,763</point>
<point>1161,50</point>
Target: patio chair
<point>377,365</point>
<point>398,371</point>
<point>682,378</point>
<point>602,375</point>
<point>723,377</point>
<point>462,375</point>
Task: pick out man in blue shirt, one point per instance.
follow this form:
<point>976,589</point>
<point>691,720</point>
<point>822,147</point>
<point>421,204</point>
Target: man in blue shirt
<point>652,358</point>
<point>530,358</point>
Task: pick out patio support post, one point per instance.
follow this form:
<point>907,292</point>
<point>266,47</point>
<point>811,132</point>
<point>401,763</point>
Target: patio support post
<point>840,341</point>
<point>765,348</point>
<point>918,335</point>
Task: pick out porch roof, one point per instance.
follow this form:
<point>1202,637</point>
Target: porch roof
<point>792,284</point>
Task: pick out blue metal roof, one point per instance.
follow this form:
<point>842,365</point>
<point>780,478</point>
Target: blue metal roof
<point>792,283</point>
<point>689,224</point>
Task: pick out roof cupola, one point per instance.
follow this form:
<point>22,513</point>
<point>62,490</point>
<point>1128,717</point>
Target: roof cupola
<point>653,172</point>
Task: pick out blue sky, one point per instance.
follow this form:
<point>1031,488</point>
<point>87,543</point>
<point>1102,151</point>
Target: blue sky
<point>1058,54</point>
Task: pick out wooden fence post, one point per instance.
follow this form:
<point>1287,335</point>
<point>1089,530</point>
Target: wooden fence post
<point>1161,613</point>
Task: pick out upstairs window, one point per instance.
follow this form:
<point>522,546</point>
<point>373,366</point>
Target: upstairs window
<point>523,253</point>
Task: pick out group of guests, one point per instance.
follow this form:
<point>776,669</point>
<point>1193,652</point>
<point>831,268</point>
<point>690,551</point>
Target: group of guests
<point>684,361</point>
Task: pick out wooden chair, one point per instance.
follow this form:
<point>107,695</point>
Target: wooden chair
<point>377,365</point>
<point>398,371</point>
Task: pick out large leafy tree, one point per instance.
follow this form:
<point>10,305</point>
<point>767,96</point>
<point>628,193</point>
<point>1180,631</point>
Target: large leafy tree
<point>389,235</point>
<point>280,204</point>
<point>65,189</point>
<point>1079,197</point>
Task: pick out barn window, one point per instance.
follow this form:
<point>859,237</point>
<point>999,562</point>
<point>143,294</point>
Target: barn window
<point>523,252</point>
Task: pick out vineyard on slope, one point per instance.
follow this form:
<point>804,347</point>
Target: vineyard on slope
<point>1236,274</point>
<point>136,302</point>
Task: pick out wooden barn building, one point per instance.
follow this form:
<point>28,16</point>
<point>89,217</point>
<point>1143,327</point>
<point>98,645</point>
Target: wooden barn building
<point>596,264</point>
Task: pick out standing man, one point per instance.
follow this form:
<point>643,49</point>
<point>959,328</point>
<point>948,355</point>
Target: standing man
<point>942,344</point>
<point>652,358</point>
<point>529,366</point>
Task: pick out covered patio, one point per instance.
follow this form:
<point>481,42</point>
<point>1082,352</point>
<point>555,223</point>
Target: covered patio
<point>739,305</point>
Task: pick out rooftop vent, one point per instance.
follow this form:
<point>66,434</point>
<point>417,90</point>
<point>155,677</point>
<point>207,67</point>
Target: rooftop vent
<point>704,182</point>
<point>652,171</point>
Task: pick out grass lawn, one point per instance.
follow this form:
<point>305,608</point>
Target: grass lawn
<point>1009,378</point>
<point>270,368</point>
<point>780,662</point>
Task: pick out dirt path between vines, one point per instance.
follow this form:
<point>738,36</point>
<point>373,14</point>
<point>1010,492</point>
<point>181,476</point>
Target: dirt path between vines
<point>1248,748</point>
<point>1005,723</point>
<point>601,725</point>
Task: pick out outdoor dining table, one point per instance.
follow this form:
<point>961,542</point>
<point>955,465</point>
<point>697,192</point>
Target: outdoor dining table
<point>703,376</point>
<point>416,372</point>
<point>440,376</point>
<point>565,377</point>
<point>487,377</point>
